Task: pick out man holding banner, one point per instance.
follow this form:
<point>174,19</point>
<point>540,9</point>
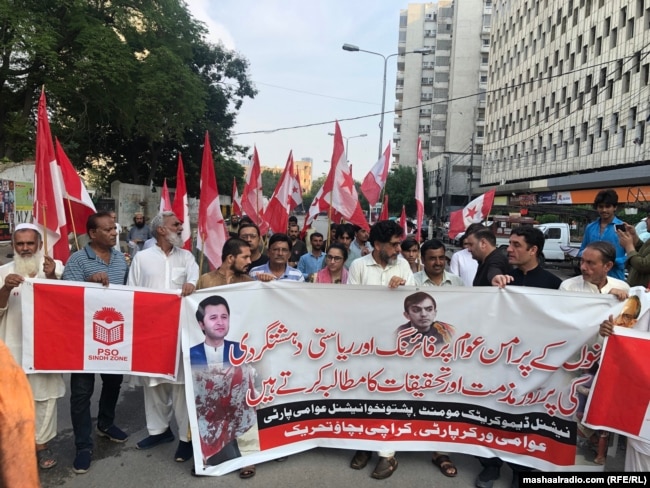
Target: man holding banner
<point>97,262</point>
<point>29,262</point>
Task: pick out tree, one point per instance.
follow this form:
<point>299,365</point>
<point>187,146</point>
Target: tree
<point>129,84</point>
<point>269,182</point>
<point>400,187</point>
<point>316,185</point>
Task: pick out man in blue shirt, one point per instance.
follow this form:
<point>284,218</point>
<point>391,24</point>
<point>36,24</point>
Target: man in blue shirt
<point>278,266</point>
<point>603,229</point>
<point>97,262</point>
<point>312,262</point>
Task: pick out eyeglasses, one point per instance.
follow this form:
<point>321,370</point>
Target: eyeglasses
<point>336,259</point>
<point>248,236</point>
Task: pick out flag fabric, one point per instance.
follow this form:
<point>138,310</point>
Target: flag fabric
<point>339,186</point>
<point>402,222</point>
<point>419,193</point>
<point>384,209</point>
<point>49,210</point>
<point>212,232</point>
<point>475,212</point>
<point>252,197</point>
<point>107,330</point>
<point>375,180</point>
<point>313,211</point>
<point>283,201</point>
<point>620,395</point>
<point>236,199</point>
<point>165,201</point>
<point>77,202</point>
<point>181,207</point>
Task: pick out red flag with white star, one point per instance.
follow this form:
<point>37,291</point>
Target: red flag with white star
<point>283,199</point>
<point>339,186</point>
<point>474,213</point>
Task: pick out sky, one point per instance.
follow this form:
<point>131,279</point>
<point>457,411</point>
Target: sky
<point>304,77</point>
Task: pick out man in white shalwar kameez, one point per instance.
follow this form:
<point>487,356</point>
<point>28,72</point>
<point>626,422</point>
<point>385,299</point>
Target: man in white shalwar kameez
<point>29,262</point>
<point>166,266</point>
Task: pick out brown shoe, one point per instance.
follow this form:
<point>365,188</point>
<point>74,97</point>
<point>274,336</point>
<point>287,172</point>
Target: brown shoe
<point>360,459</point>
<point>385,468</point>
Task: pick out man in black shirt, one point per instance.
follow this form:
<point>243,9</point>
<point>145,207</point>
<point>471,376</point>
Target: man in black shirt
<point>483,246</point>
<point>525,248</point>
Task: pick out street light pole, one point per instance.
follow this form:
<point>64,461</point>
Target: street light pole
<point>347,140</point>
<point>353,48</point>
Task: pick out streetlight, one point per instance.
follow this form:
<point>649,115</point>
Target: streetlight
<point>353,48</point>
<point>347,139</point>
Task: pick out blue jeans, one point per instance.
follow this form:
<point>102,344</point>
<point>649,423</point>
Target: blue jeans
<point>82,386</point>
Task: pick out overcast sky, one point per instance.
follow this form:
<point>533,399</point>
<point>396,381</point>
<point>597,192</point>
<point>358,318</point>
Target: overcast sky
<point>304,77</point>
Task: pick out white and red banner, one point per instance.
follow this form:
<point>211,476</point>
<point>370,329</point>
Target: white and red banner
<point>286,197</point>
<point>71,326</point>
<point>502,384</point>
<point>165,200</point>
<point>375,180</point>
<point>236,199</point>
<point>474,213</point>
<point>252,198</point>
<point>620,397</point>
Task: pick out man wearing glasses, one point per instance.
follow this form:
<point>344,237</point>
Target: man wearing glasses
<point>277,267</point>
<point>381,267</point>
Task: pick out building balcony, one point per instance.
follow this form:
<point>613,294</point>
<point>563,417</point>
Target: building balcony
<point>485,49</point>
<point>486,29</point>
<point>397,136</point>
<point>395,151</point>
<point>398,107</point>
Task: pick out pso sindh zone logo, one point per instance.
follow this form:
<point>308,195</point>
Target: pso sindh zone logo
<point>108,326</point>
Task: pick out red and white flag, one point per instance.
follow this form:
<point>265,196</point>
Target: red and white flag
<point>286,197</point>
<point>252,197</point>
<point>236,199</point>
<point>339,186</point>
<point>165,200</point>
<point>107,330</point>
<point>419,193</point>
<point>475,212</point>
<point>49,211</point>
<point>212,232</point>
<point>384,209</point>
<point>402,222</point>
<point>375,180</point>
<point>77,202</point>
<point>620,395</point>
<point>181,207</point>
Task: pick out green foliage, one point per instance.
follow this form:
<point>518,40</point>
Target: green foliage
<point>400,187</point>
<point>269,182</point>
<point>128,84</point>
<point>316,185</point>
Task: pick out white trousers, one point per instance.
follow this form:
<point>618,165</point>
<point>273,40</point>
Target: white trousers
<point>160,403</point>
<point>386,454</point>
<point>45,420</point>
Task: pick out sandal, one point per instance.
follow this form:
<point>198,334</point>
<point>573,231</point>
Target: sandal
<point>247,472</point>
<point>385,468</point>
<point>45,458</point>
<point>446,466</point>
<point>360,459</point>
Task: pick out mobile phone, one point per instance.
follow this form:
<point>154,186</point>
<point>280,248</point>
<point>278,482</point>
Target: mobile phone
<point>620,227</point>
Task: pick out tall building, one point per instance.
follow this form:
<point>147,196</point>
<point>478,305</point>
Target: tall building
<point>441,96</point>
<point>303,167</point>
<point>569,90</point>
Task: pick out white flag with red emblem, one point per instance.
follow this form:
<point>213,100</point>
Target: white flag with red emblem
<point>165,201</point>
<point>236,199</point>
<point>283,200</point>
<point>107,330</point>
<point>474,213</point>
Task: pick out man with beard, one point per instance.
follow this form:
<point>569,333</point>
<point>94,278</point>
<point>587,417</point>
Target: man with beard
<point>97,262</point>
<point>483,246</point>
<point>138,233</point>
<point>250,233</point>
<point>312,262</point>
<point>235,263</point>
<point>381,267</point>
<point>233,226</point>
<point>298,247</point>
<point>166,266</point>
<point>29,262</point>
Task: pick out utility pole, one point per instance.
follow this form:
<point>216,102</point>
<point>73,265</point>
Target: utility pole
<point>447,183</point>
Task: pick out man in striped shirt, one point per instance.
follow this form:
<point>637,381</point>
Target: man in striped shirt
<point>97,262</point>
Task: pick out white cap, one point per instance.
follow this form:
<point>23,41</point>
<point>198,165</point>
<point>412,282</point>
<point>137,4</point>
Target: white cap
<point>26,226</point>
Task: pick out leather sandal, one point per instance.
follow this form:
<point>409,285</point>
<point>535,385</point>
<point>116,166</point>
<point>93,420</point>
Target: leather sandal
<point>445,465</point>
<point>247,472</point>
<point>385,468</point>
<point>45,458</point>
<point>360,459</point>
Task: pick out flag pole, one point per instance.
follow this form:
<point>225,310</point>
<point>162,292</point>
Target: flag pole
<point>44,228</point>
<point>74,230</point>
<point>203,237</point>
<point>329,220</point>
